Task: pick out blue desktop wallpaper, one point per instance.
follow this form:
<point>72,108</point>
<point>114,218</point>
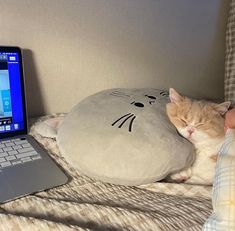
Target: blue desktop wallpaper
<point>11,105</point>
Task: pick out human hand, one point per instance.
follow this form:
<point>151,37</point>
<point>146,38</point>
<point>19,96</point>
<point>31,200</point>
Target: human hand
<point>230,119</point>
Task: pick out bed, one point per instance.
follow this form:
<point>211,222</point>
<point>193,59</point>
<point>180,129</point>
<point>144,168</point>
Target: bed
<point>85,204</point>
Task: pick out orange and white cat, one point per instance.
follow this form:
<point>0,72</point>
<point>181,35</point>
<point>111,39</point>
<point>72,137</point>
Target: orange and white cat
<point>202,123</point>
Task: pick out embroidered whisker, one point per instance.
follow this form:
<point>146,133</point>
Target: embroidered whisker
<point>120,118</point>
<point>125,120</point>
<point>130,125</point>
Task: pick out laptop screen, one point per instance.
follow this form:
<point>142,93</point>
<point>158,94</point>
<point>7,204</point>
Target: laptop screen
<point>12,103</point>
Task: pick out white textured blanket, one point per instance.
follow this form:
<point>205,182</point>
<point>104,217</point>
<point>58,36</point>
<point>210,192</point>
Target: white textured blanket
<point>84,204</point>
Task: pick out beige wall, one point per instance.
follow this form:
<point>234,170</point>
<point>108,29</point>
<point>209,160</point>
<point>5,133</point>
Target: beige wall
<point>74,48</point>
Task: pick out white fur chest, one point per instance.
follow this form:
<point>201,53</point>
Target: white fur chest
<point>203,169</point>
<point>208,147</point>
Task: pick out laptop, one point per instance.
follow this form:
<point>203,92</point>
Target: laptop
<point>25,167</point>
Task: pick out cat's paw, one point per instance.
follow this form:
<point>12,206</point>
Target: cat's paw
<point>181,176</point>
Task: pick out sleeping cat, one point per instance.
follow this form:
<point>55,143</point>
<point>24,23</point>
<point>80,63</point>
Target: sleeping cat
<point>202,123</point>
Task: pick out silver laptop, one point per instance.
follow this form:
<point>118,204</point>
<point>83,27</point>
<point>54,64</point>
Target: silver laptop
<point>25,167</point>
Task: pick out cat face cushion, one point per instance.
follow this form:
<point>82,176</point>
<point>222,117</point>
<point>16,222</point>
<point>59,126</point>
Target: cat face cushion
<point>123,136</point>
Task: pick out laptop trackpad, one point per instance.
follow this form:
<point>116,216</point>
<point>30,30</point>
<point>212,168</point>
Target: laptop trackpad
<point>6,192</point>
<point>25,179</point>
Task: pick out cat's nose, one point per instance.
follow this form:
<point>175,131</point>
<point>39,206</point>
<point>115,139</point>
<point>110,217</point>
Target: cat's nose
<point>190,130</point>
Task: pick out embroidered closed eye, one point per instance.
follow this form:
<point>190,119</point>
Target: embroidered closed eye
<point>152,99</point>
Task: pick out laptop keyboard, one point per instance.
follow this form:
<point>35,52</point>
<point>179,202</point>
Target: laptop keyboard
<point>16,151</point>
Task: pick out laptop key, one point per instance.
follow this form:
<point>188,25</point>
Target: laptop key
<point>26,145</point>
<point>27,159</point>
<point>21,142</point>
<point>2,145</point>
<point>16,147</point>
<point>9,144</point>
<point>3,154</point>
<point>10,157</point>
<point>12,152</point>
<point>5,164</point>
<point>27,154</point>
<point>36,157</point>
<point>2,159</point>
<point>7,149</point>
<point>22,150</point>
<point>15,162</point>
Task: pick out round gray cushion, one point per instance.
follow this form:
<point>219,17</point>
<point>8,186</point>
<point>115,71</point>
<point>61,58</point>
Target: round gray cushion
<point>123,136</point>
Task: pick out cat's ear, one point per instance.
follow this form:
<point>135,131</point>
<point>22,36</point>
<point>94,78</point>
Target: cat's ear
<point>175,97</point>
<point>222,108</point>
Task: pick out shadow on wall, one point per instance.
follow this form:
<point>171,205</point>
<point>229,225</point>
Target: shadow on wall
<point>34,96</point>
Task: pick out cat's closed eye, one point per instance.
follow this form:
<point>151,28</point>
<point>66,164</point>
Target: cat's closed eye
<point>183,121</point>
<point>199,125</point>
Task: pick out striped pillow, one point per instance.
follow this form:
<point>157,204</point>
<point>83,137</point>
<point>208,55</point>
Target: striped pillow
<point>223,195</point>
<point>229,81</point>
